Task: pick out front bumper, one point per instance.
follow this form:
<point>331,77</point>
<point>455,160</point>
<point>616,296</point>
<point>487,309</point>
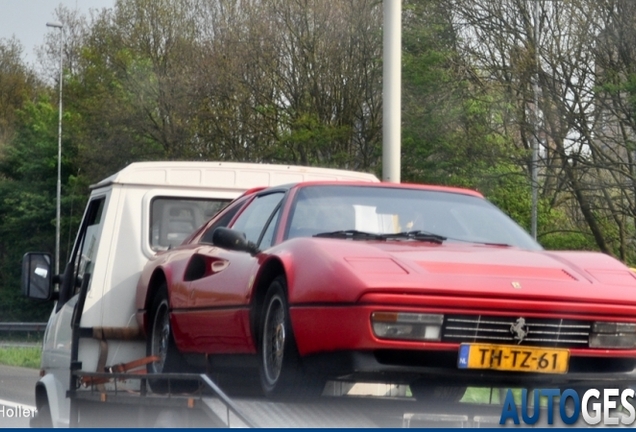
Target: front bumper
<point>338,341</point>
<point>387,366</point>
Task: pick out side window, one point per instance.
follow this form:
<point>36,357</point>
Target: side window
<point>84,252</point>
<point>85,260</point>
<point>222,221</point>
<point>254,218</point>
<point>268,235</point>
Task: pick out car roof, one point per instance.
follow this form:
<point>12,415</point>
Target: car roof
<point>412,186</point>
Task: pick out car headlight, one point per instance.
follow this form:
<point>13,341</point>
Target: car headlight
<point>407,325</point>
<point>613,335</point>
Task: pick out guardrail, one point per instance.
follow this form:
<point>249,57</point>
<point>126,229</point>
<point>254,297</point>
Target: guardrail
<point>22,327</point>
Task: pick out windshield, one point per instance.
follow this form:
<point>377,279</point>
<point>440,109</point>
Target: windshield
<point>321,210</point>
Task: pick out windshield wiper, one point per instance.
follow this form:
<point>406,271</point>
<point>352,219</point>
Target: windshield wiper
<point>351,234</point>
<point>416,235</point>
<point>363,235</point>
<point>485,243</point>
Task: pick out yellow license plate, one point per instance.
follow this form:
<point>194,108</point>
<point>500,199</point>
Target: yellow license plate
<point>513,358</point>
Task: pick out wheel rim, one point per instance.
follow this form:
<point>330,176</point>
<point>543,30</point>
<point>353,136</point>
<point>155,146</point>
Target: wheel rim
<point>274,339</point>
<point>160,337</point>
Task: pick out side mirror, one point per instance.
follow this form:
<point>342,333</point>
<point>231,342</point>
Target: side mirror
<point>37,280</point>
<point>230,239</point>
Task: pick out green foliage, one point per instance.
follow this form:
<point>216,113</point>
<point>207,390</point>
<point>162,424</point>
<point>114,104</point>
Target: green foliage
<point>481,395</point>
<point>307,142</point>
<point>568,241</point>
<point>106,100</point>
<point>28,357</point>
<point>622,86</point>
<point>17,85</point>
<point>558,231</point>
<point>448,132</point>
<point>28,173</point>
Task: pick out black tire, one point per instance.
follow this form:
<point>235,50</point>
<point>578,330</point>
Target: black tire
<point>435,393</point>
<point>243,383</point>
<point>42,418</point>
<point>280,368</point>
<point>160,343</point>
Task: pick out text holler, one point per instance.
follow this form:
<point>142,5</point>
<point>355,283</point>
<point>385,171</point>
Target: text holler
<point>16,411</point>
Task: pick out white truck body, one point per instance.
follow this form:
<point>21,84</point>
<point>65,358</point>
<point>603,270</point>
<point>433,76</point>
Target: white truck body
<point>116,244</point>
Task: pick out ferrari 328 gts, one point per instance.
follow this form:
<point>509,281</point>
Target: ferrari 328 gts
<point>428,286</point>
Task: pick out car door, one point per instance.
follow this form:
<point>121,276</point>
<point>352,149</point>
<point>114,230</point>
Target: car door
<point>217,316</point>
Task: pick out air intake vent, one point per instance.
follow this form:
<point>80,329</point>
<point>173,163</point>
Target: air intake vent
<point>570,275</point>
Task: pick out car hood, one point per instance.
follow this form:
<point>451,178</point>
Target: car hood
<point>484,271</point>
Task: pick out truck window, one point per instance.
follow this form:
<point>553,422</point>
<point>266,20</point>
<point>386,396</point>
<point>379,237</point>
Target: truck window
<point>86,258</point>
<point>223,220</point>
<point>84,251</point>
<point>173,219</point>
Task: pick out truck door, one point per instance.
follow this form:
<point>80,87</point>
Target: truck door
<point>56,352</point>
<point>57,343</point>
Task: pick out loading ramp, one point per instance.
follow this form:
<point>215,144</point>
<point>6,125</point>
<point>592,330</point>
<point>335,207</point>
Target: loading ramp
<point>116,405</point>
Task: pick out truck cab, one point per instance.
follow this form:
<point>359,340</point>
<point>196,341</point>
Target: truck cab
<point>144,208</point>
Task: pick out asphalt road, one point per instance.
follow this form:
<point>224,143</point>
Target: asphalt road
<point>17,394</point>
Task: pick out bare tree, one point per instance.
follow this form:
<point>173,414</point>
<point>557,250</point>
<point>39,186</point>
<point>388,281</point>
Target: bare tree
<point>576,161</point>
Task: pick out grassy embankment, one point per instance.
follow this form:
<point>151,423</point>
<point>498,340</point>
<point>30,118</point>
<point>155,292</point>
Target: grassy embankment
<point>21,349</point>
<point>481,395</point>
<point>21,356</point>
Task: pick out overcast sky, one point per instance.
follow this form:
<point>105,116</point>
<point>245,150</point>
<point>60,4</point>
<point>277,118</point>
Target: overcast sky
<point>26,19</point>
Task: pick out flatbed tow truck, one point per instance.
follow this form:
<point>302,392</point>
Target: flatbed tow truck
<point>94,357</point>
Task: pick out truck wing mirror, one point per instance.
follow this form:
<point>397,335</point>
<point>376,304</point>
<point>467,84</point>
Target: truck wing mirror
<point>37,280</point>
<point>230,239</point>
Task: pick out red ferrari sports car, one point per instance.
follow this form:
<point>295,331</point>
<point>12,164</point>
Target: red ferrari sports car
<point>425,285</point>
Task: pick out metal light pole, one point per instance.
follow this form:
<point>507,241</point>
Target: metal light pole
<point>59,152</point>
<point>392,91</point>
<point>535,143</point>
